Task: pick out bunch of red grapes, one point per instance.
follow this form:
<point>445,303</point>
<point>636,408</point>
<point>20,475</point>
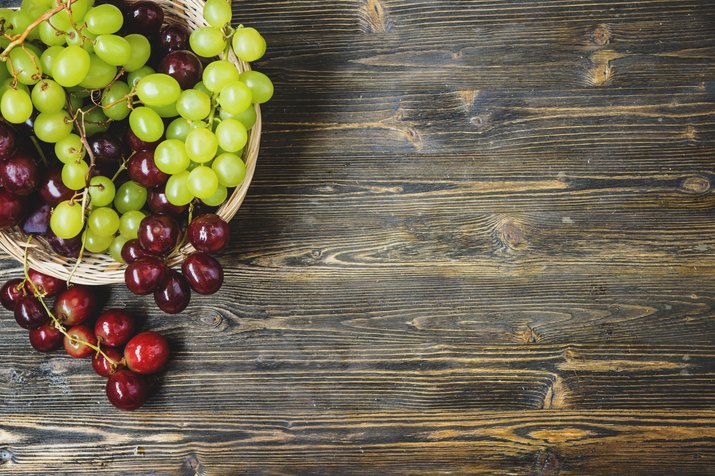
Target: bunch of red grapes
<point>118,352</point>
<point>122,135</point>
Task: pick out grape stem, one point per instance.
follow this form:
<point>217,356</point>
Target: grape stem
<point>56,322</point>
<point>19,39</point>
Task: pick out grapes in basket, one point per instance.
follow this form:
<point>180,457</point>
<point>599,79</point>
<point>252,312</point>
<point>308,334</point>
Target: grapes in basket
<point>122,133</point>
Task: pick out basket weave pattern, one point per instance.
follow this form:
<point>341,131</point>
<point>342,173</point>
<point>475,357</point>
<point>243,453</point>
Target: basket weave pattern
<point>98,269</point>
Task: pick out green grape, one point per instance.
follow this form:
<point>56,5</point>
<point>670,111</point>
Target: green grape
<point>50,34</point>
<point>100,73</point>
<point>134,77</point>
<point>16,106</point>
<point>115,102</point>
<point>48,96</point>
<point>70,66</point>
<point>20,20</point>
<point>218,74</point>
<point>248,44</point>
<point>79,9</point>
<point>200,86</point>
<point>146,124</point>
<point>95,243</point>
<point>84,39</point>
<point>261,86</point>
<point>247,117</point>
<point>4,73</point>
<point>129,224</point>
<point>141,51</point>
<point>167,111</point>
<point>115,249</point>
<point>207,41</point>
<point>158,89</point>
<point>201,145</point>
<point>235,97</point>
<point>104,19</point>
<point>61,20</point>
<point>7,84</point>
<point>67,219</point>
<point>95,121</point>
<point>217,198</point>
<point>178,129</point>
<point>177,192</point>
<point>217,13</point>
<point>101,191</point>
<point>232,135</point>
<point>103,221</point>
<point>48,56</point>
<point>193,165</point>
<point>26,65</point>
<point>74,175</point>
<point>53,126</point>
<point>170,157</point>
<point>229,169</point>
<point>202,182</point>
<point>70,149</point>
<point>130,196</point>
<point>36,7</point>
<point>194,105</point>
<point>113,49</point>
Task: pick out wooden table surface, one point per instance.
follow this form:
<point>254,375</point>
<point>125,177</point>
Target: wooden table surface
<point>480,240</point>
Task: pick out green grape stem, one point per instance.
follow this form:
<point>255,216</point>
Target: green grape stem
<point>56,322</point>
<point>20,38</point>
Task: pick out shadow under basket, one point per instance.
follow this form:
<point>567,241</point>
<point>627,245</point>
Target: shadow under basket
<point>98,268</point>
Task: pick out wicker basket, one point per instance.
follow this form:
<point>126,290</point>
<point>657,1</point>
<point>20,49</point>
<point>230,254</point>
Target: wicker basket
<point>98,269</point>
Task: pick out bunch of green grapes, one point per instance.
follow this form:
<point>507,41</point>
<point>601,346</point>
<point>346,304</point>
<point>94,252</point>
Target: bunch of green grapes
<point>83,69</point>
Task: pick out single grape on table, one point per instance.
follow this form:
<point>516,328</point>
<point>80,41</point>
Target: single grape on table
<point>121,133</point>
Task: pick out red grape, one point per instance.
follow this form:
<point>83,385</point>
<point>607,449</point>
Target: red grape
<point>203,272</point>
<point>52,189</point>
<point>145,275</point>
<point>46,338</point>
<point>7,136</point>
<point>174,37</point>
<point>11,292</point>
<point>158,234</point>
<point>37,222</point>
<point>29,313</point>
<point>127,390</point>
<point>49,285</point>
<point>158,203</point>
<point>208,233</point>
<point>114,327</point>
<point>102,366</point>
<point>63,247</point>
<point>144,17</point>
<point>184,66</point>
<point>136,144</point>
<point>75,304</point>
<point>174,294</point>
<point>75,344</point>
<point>133,251</point>
<point>146,353</point>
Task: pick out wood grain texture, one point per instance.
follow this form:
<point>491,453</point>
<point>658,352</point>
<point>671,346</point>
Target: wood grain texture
<point>479,241</point>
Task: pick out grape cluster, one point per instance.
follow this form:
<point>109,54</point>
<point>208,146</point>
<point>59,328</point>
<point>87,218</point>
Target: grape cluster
<point>118,352</point>
<point>121,134</point>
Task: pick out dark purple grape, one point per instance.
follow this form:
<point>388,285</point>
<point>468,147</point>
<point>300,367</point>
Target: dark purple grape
<point>174,37</point>
<point>143,17</point>
<point>69,248</point>
<point>136,144</point>
<point>12,209</point>
<point>105,147</point>
<point>52,189</point>
<point>174,294</point>
<point>143,170</point>
<point>184,66</point>
<point>158,203</point>
<point>132,251</point>
<point>37,221</point>
<point>19,174</point>
<point>203,272</point>
<point>7,139</point>
<point>208,233</point>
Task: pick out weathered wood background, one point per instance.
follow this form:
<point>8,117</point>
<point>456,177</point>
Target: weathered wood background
<point>480,240</point>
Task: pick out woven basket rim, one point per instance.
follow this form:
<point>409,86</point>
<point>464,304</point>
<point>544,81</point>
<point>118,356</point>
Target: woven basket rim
<point>100,269</point>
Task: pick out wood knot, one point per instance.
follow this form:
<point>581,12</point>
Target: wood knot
<point>547,462</point>
<point>696,184</point>
<point>374,18</point>
<point>601,36</point>
<point>600,74</point>
<point>512,235</point>
<point>192,466</point>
